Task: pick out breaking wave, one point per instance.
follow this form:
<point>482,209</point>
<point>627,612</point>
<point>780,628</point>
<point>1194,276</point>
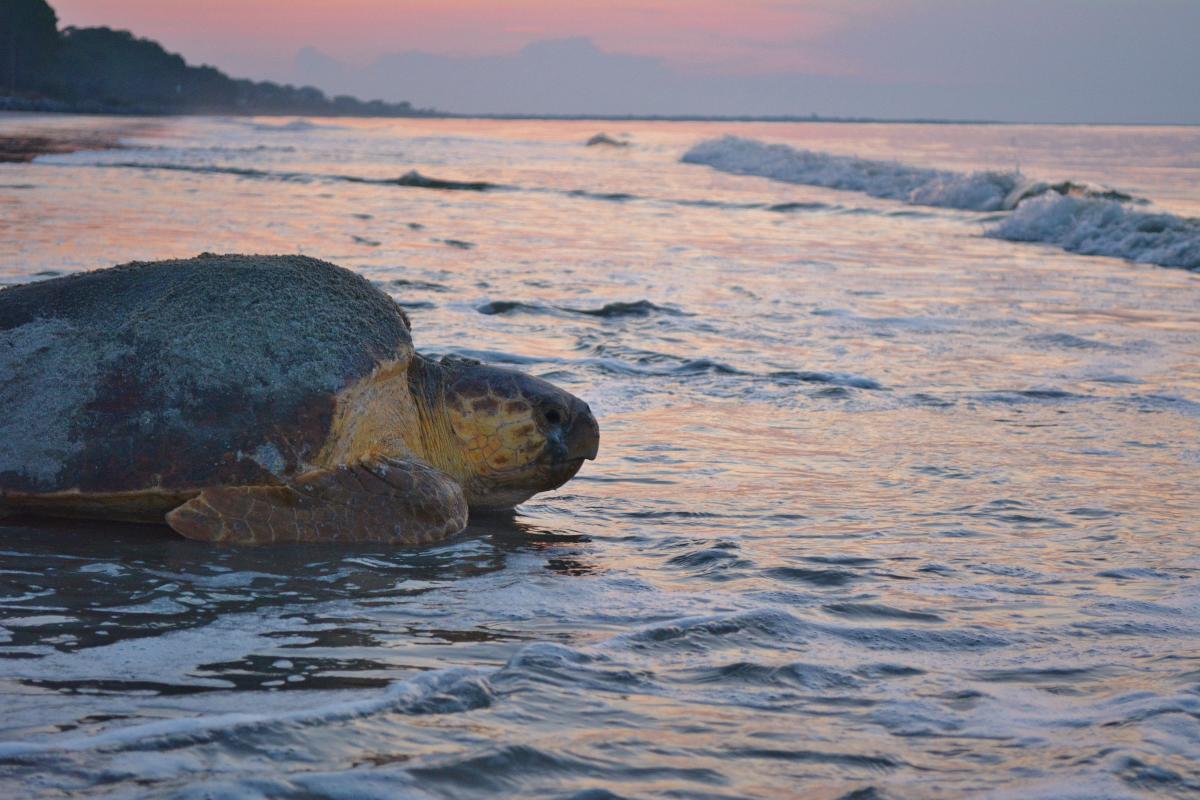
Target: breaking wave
<point>979,191</point>
<point>1078,217</point>
<point>1098,227</point>
<point>889,180</point>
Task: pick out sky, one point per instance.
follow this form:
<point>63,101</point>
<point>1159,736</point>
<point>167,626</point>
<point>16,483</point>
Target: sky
<point>1035,60</point>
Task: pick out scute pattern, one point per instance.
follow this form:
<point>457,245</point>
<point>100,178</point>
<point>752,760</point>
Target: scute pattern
<point>178,372</point>
<point>494,428</point>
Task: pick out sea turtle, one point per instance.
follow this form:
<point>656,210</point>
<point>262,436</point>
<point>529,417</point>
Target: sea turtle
<point>259,399</point>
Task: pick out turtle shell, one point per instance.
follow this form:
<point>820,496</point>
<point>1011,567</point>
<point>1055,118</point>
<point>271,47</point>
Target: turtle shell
<point>183,374</point>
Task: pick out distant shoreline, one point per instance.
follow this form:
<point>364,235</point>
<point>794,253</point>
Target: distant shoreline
<point>22,106</point>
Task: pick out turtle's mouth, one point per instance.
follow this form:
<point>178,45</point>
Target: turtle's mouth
<point>515,486</point>
<point>582,443</point>
<point>565,470</point>
<point>560,470</point>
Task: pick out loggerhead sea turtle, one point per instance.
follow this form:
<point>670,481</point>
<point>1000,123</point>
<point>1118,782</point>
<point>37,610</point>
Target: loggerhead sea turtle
<point>259,399</point>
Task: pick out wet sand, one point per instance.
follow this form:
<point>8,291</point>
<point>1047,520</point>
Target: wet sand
<point>23,145</point>
<point>24,148</point>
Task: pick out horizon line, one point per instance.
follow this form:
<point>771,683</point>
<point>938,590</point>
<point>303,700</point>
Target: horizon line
<point>551,117</point>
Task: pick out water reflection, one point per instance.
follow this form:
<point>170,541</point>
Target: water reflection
<point>885,508</point>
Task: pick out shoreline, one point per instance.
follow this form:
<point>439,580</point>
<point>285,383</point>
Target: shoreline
<point>24,145</point>
<point>23,149</point>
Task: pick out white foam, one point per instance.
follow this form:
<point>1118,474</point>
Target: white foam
<point>1098,227</point>
<point>399,695</point>
<point>1080,218</point>
<point>978,191</point>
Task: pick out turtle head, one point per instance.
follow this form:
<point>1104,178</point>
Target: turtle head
<point>506,434</point>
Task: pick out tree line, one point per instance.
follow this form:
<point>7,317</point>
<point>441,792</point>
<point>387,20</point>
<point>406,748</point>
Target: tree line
<point>109,70</point>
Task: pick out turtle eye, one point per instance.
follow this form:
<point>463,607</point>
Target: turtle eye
<point>554,416</point>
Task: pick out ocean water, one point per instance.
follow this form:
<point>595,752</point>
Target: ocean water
<point>888,504</point>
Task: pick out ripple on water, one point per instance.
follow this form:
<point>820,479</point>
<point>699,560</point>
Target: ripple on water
<point>813,577</point>
<point>614,310</point>
<point>879,611</point>
<point>720,631</point>
<point>794,675</point>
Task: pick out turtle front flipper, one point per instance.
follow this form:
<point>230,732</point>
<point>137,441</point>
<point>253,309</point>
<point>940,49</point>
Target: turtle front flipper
<point>393,501</point>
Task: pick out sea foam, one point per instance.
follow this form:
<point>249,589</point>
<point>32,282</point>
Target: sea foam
<point>1097,227</point>
<point>1075,216</point>
<point>978,191</point>
<point>436,691</point>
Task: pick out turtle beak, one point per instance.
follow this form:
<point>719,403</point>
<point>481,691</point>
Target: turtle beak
<point>577,442</point>
<point>583,438</point>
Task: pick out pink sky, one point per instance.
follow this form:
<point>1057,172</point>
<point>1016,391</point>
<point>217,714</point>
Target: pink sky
<point>261,36</point>
<point>1068,60</point>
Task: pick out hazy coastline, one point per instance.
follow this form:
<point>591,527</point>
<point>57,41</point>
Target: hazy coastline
<point>16,105</point>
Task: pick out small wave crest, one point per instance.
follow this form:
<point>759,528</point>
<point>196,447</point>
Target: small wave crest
<point>635,308</point>
<point>411,179</point>
<point>832,378</point>
<point>294,126</point>
<point>713,632</point>
<point>417,180</point>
